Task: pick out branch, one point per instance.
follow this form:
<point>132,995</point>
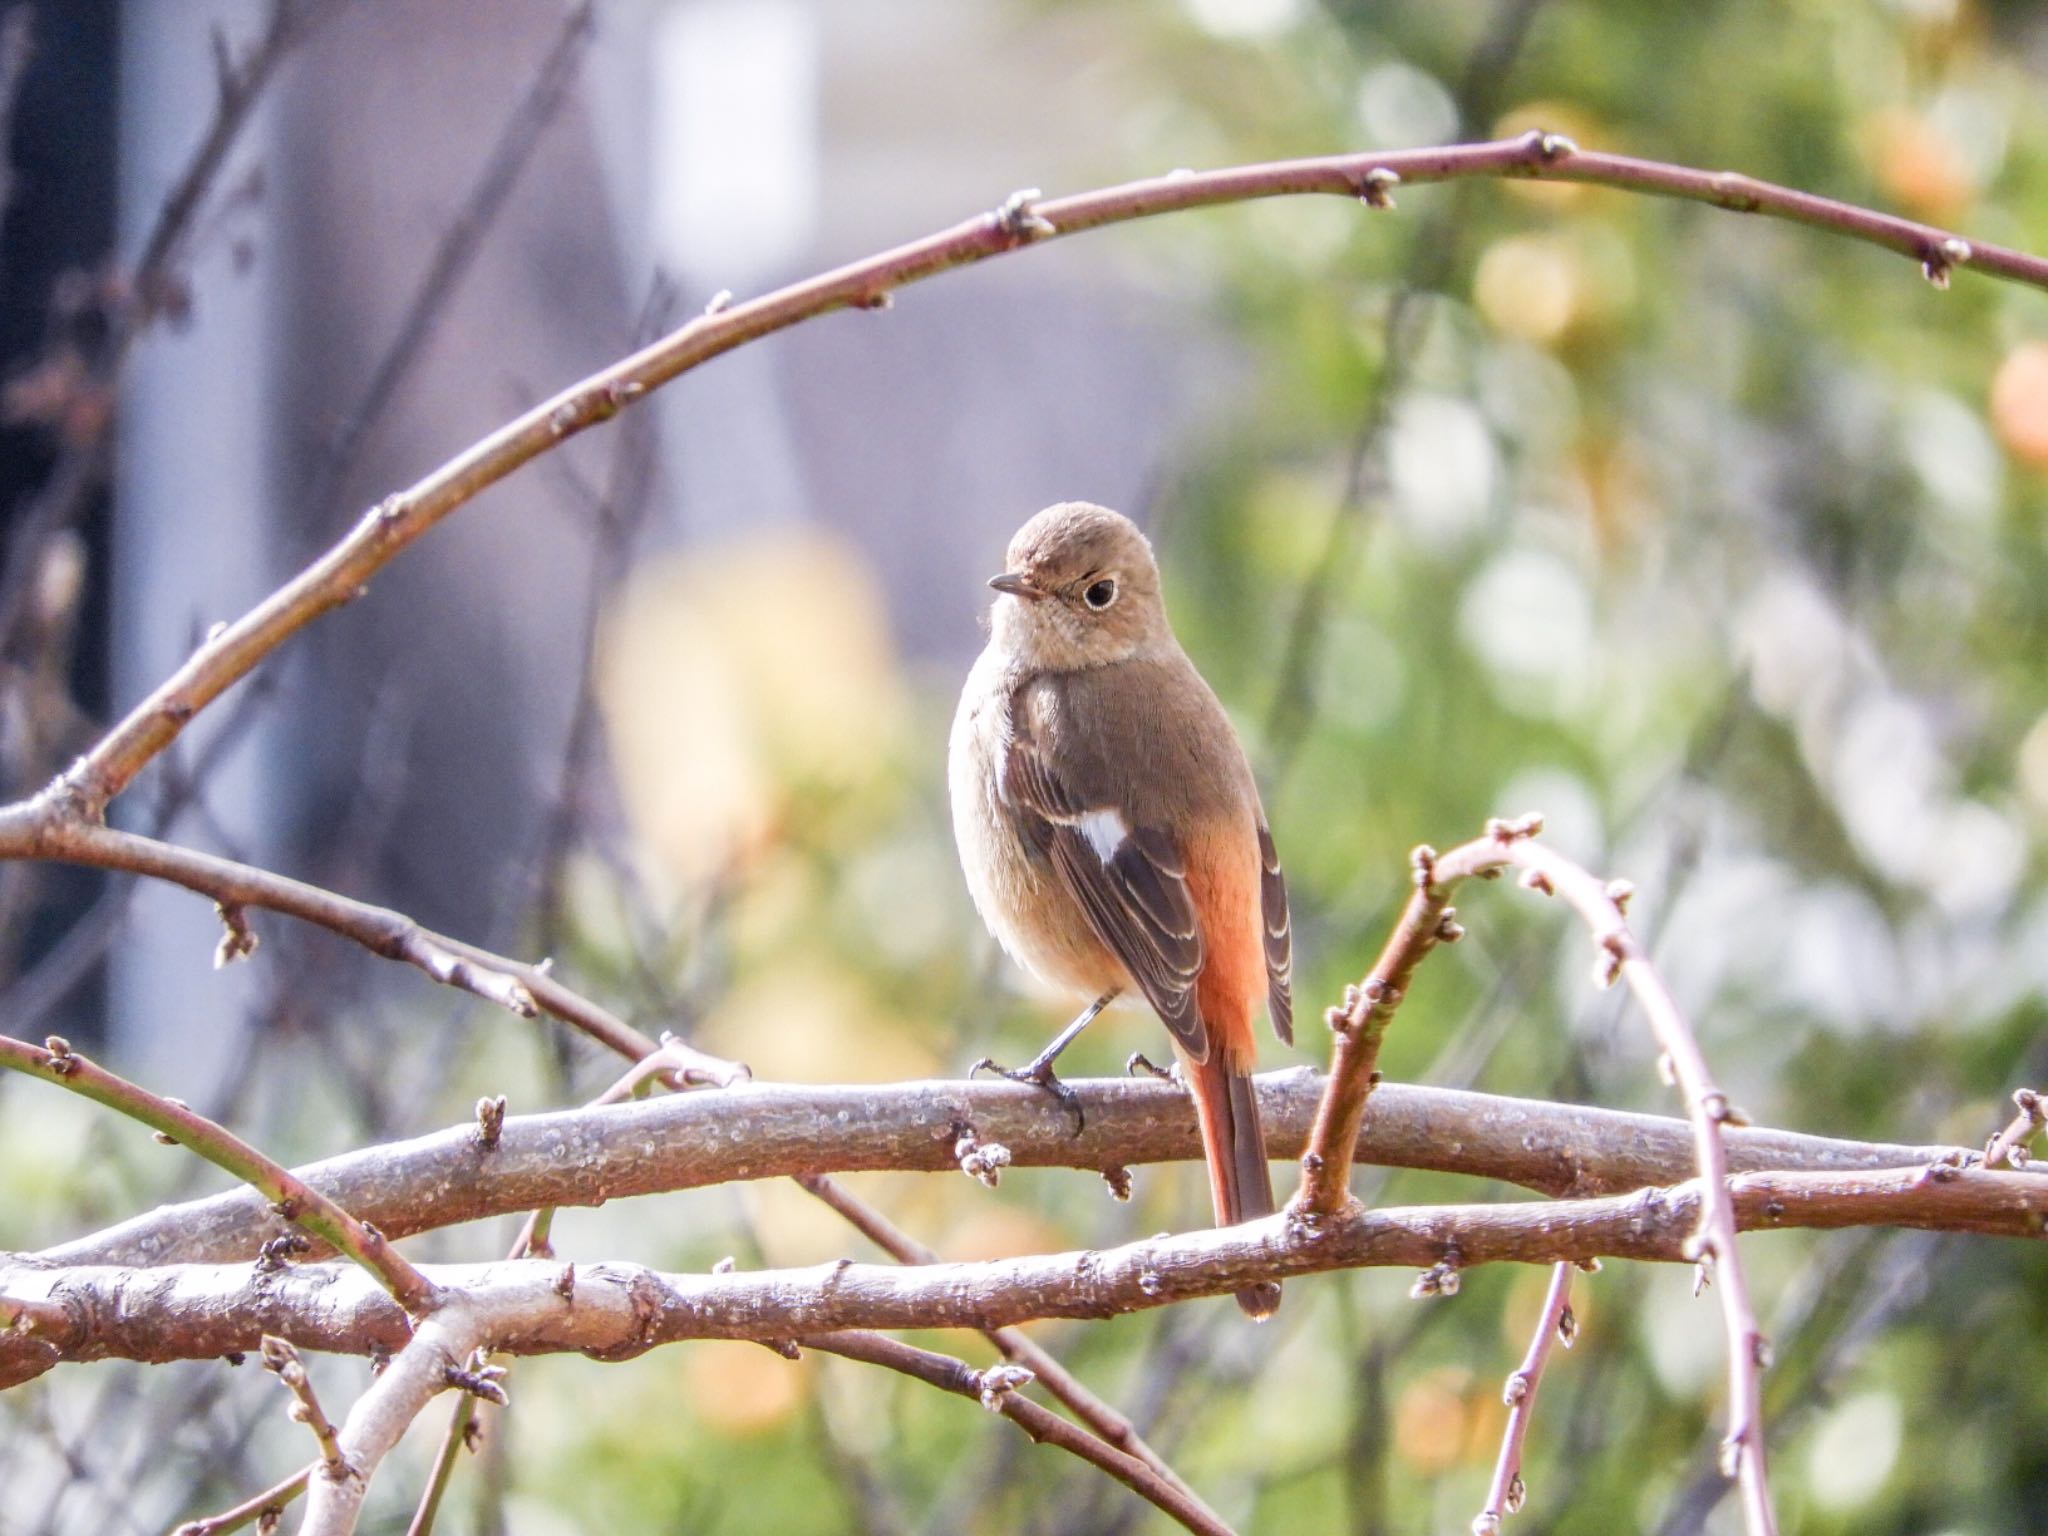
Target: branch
<point>423,1367</point>
<point>1427,922</point>
<point>295,1202</point>
<point>271,1501</point>
<point>1555,1323</point>
<point>281,1358</point>
<point>998,1390</point>
<point>32,829</point>
<point>776,1130</point>
<point>521,135</point>
<point>2009,1146</point>
<point>343,573</point>
<point>1017,1347</point>
<point>617,1310</point>
<point>1359,1025</point>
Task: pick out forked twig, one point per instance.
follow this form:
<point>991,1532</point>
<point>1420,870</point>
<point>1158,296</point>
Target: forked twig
<point>1602,904</point>
<point>2009,1146</point>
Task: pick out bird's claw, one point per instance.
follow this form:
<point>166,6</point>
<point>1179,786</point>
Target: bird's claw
<point>1140,1062</point>
<point>1039,1074</point>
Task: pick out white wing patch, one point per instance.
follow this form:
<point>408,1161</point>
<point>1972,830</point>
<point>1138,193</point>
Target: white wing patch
<point>1105,831</point>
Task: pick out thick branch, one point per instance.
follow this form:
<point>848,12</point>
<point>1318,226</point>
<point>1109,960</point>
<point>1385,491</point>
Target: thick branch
<point>613,1310</point>
<point>774,1130</point>
<point>422,1367</point>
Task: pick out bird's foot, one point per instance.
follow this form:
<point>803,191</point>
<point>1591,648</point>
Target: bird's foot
<point>1039,1074</point>
<point>1140,1062</point>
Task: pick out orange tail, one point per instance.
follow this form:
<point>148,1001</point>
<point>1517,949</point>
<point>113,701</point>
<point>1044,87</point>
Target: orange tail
<point>1235,1145</point>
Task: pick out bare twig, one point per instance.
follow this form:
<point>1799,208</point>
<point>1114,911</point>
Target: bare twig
<point>999,1389</point>
<point>1601,904</point>
<point>1016,1346</point>
<point>281,1358</point>
<point>1359,1025</point>
<point>2009,1146</point>
<point>155,284</point>
<point>1554,1324</point>
<point>672,1064</point>
<point>27,831</point>
<point>295,1201</point>
<point>271,1501</point>
<point>458,245</point>
<point>342,574</point>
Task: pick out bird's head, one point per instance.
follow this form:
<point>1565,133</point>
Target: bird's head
<point>1079,589</point>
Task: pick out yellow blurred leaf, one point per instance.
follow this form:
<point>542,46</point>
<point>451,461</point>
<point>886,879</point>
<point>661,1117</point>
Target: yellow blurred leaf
<point>806,1023</point>
<point>735,673</point>
<point>1529,286</point>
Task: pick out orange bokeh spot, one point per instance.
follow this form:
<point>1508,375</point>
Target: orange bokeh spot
<point>2019,403</point>
<point>1918,164</point>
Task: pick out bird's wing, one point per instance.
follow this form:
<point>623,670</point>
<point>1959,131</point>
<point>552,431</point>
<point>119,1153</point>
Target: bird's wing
<point>1130,882</point>
<point>1279,938</point>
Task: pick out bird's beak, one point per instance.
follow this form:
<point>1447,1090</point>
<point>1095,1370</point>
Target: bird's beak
<point>1017,584</point>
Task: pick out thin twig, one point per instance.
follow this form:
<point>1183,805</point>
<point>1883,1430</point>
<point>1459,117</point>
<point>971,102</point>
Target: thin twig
<point>509,156</point>
<point>998,1389</point>
<point>1553,1325</point>
<point>1359,1025</point>
<point>527,990</point>
<point>156,282</point>
<point>2009,1146</point>
<point>670,1064</point>
<point>460,1435</point>
<point>342,574</point>
<point>270,1501</point>
<point>280,1358</point>
<point>1326,1165</point>
<point>296,1201</point>
<point>1016,1346</point>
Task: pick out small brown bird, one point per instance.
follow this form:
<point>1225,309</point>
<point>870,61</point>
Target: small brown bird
<point>1111,832</point>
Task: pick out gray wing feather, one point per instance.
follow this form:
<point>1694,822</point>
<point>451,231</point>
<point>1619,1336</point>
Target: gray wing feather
<point>1137,900</point>
<point>1279,938</point>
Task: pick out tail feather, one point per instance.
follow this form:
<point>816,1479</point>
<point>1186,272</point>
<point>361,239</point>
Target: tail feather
<point>1240,1182</point>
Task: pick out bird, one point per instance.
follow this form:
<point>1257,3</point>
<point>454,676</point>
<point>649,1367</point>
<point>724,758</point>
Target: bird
<point>1111,833</point>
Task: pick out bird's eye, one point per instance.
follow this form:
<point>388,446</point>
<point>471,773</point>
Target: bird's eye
<point>1101,594</point>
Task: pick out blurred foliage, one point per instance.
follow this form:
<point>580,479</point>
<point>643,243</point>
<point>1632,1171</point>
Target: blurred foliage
<point>1720,542</point>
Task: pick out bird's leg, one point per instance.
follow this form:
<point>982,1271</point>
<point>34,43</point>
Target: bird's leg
<point>1039,1073</point>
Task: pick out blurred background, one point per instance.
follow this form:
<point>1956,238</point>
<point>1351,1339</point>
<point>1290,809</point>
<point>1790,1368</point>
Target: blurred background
<point>1720,542</point>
